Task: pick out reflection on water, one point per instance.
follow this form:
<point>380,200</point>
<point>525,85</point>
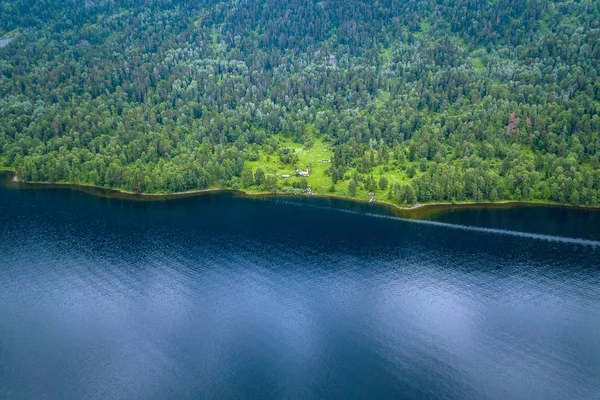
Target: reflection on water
<point>223,297</point>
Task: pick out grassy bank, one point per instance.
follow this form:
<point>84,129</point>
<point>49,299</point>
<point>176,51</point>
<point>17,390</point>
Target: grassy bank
<point>415,211</point>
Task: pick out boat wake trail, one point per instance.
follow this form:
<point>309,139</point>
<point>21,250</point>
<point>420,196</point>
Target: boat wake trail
<point>493,231</point>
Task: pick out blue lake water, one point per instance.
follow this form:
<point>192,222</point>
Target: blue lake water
<point>218,296</point>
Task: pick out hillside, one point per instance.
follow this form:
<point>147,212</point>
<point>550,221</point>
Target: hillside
<point>419,101</point>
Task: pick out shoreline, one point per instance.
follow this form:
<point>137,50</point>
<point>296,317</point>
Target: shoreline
<point>127,195</point>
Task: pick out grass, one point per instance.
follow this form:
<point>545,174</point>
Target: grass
<point>319,181</point>
<point>425,27</point>
<point>4,167</point>
<point>477,64</point>
<point>386,55</point>
<point>214,38</point>
<point>311,158</point>
<point>9,34</point>
<point>458,41</point>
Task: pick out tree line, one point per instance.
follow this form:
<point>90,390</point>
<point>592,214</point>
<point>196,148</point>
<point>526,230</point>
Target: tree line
<point>444,100</point>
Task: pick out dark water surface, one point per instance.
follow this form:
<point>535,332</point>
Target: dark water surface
<point>223,297</point>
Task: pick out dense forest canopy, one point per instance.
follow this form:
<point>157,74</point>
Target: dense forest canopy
<point>429,100</point>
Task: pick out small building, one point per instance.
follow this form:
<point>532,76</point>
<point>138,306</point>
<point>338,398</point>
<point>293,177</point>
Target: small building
<point>304,173</point>
<point>285,176</point>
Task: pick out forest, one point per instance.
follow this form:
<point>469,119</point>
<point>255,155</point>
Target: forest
<point>416,101</point>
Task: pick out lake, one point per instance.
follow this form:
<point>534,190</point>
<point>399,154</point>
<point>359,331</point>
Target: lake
<point>218,296</point>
